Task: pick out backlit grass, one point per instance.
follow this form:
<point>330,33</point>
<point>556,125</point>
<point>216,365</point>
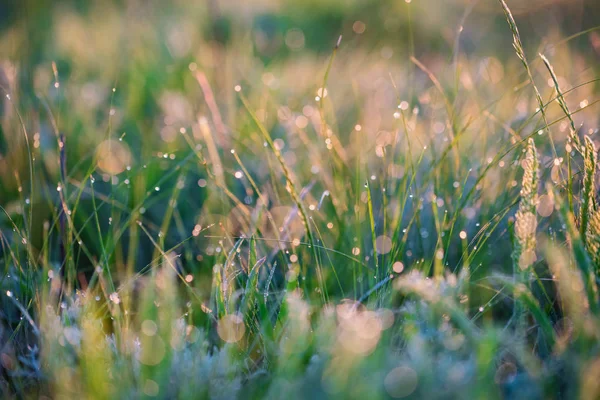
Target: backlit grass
<point>295,200</point>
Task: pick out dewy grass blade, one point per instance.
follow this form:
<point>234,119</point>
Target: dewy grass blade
<point>372,226</point>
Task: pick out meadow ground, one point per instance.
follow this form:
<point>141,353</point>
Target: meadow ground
<point>299,199</point>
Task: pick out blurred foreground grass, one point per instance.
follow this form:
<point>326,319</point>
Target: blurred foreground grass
<point>215,200</point>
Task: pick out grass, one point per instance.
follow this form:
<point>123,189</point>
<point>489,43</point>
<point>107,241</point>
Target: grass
<point>236,212</point>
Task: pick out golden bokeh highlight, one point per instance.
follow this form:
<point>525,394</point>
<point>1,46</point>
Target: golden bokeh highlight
<point>113,156</point>
<point>231,328</point>
<point>545,206</point>
<point>383,244</point>
<point>359,330</point>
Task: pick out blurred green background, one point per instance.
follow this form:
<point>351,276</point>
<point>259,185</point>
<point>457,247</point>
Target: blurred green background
<point>92,70</point>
